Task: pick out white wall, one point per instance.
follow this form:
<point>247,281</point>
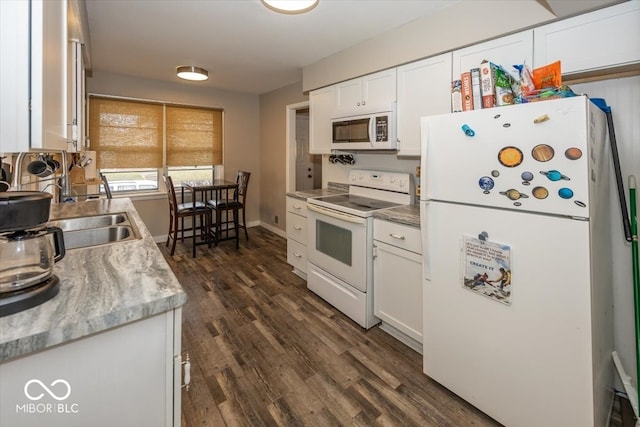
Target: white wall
<point>241,133</point>
<point>623,95</point>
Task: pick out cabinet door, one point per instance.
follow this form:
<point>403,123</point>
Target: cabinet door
<point>602,39</point>
<point>14,76</point>
<point>321,104</point>
<point>348,97</point>
<point>423,90</point>
<point>397,289</point>
<point>120,377</point>
<point>505,51</point>
<point>49,74</point>
<point>378,91</point>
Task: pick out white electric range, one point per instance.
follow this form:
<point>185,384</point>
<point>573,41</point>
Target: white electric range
<point>340,240</point>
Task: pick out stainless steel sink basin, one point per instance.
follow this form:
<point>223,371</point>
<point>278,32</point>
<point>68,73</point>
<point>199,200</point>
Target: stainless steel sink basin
<point>95,230</point>
<point>97,236</point>
<point>95,221</point>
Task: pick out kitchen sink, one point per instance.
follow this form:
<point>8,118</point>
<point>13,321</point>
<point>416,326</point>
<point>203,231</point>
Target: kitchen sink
<point>94,221</point>
<point>96,230</point>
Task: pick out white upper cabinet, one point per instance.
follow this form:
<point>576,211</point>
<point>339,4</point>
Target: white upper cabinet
<point>33,38</point>
<point>49,74</point>
<point>423,90</point>
<point>321,107</point>
<point>14,76</point>
<point>505,51</point>
<point>369,94</point>
<point>606,38</point>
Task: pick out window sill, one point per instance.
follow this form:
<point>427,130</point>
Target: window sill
<point>142,196</point>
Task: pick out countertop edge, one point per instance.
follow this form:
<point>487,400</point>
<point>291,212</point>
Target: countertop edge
<point>45,340</point>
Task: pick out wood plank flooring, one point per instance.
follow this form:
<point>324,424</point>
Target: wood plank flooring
<point>265,351</point>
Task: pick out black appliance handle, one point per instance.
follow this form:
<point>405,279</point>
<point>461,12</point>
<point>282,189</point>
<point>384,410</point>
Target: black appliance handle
<point>58,241</point>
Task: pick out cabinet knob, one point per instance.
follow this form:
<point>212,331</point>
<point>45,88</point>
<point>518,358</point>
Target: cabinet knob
<point>357,104</point>
<point>297,227</point>
<point>297,255</point>
<point>364,102</point>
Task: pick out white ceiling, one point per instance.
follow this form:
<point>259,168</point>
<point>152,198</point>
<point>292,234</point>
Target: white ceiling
<point>244,46</point>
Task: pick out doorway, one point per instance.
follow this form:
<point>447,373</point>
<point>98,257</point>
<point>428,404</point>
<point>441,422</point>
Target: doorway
<point>304,170</point>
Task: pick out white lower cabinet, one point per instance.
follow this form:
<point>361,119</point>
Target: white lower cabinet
<point>297,235</point>
<point>127,376</point>
<point>397,281</point>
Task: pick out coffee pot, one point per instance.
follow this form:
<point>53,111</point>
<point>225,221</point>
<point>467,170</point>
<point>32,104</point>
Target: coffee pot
<point>28,250</point>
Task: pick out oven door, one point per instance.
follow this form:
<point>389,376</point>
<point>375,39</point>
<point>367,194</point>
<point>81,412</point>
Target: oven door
<point>338,244</point>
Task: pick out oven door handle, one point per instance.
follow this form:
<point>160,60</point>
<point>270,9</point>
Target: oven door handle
<point>335,214</point>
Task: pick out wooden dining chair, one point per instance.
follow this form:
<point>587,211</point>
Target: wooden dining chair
<point>236,204</point>
<point>179,211</point>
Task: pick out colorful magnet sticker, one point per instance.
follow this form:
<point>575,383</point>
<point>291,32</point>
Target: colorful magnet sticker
<point>510,157</point>
<point>527,177</point>
<point>573,153</point>
<point>542,152</point>
<point>555,175</point>
<point>540,193</point>
<point>486,183</point>
<point>495,173</point>
<point>565,193</point>
<point>514,194</point>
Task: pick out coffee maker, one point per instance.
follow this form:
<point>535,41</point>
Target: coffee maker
<point>28,251</point>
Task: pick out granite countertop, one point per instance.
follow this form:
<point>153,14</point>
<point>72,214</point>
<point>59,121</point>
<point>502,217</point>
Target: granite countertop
<point>101,287</point>
<point>406,214</point>
<point>332,189</point>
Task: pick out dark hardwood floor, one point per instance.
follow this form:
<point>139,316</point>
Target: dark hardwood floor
<point>265,351</point>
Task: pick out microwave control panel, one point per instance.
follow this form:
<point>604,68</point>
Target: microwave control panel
<point>382,128</point>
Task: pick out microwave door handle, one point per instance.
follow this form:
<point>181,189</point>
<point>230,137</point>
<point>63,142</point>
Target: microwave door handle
<point>372,129</point>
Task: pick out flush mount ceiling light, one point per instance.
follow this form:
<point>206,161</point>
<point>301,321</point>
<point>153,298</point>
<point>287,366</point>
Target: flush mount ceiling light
<point>290,6</point>
<point>189,72</point>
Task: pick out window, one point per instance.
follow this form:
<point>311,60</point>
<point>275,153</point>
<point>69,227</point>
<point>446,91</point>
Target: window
<point>136,140</point>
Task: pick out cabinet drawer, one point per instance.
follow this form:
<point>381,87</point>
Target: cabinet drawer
<point>297,255</point>
<point>297,228</point>
<point>297,206</point>
<point>399,235</point>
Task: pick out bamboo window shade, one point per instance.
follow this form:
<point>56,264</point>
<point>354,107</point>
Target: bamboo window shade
<point>125,134</point>
<point>130,134</point>
<point>194,136</point>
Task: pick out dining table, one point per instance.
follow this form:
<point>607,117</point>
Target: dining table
<point>217,189</point>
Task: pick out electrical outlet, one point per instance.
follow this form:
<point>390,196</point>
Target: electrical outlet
<point>275,219</point>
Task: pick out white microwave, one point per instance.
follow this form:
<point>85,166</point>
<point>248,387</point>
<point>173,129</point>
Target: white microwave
<point>375,131</point>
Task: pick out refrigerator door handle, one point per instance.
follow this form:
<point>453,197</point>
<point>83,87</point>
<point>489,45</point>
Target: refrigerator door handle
<point>426,250</point>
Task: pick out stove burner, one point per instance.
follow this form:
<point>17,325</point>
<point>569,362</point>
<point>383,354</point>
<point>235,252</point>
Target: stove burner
<point>15,301</point>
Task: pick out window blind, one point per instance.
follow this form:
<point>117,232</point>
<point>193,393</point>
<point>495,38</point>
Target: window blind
<point>194,136</point>
<point>125,134</point>
<point>132,134</point>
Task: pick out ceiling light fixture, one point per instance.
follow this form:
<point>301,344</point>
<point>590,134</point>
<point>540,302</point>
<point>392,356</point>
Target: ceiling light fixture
<point>189,72</point>
<point>290,6</point>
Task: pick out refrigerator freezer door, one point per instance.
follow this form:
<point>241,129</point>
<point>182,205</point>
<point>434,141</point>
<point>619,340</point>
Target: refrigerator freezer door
<point>528,363</point>
<point>531,157</point>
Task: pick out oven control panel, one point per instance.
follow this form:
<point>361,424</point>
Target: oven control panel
<point>391,181</point>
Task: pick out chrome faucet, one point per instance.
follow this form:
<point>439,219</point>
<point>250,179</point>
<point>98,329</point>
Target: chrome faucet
<point>64,183</point>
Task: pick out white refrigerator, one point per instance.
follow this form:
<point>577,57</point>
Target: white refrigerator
<point>515,221</point>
